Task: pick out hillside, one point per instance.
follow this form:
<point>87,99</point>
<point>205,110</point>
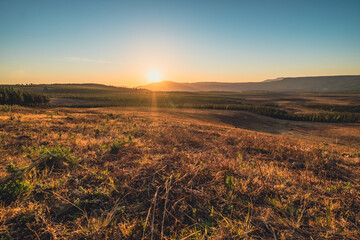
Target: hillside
<point>74,89</point>
<point>116,173</point>
<point>297,84</point>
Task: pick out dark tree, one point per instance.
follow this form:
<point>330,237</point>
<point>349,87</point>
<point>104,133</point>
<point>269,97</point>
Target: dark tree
<point>13,96</point>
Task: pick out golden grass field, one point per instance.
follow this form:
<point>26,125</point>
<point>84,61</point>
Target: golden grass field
<point>145,173</point>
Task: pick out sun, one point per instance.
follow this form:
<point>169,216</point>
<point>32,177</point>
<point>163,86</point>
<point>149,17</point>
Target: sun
<point>154,75</point>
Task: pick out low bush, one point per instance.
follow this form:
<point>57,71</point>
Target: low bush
<point>117,145</point>
<point>10,190</point>
<point>56,158</point>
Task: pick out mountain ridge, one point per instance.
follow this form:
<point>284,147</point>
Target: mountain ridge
<point>340,83</point>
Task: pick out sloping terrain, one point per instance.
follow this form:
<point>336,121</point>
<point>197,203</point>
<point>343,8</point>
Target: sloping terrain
<point>295,84</point>
<point>117,173</point>
<point>76,90</point>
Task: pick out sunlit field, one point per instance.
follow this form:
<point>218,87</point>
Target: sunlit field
<point>310,107</point>
<point>179,120</point>
<point>132,173</point>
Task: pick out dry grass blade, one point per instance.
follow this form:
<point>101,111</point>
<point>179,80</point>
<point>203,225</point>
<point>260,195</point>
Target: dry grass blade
<point>168,186</point>
<point>270,229</point>
<point>146,221</point>
<point>153,215</point>
<point>261,173</point>
<point>36,234</point>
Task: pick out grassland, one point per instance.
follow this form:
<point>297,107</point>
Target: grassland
<point>120,173</point>
<point>290,106</point>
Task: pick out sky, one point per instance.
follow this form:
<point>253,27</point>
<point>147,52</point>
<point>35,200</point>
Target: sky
<point>120,42</point>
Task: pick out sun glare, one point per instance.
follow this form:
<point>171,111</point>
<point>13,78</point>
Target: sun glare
<point>154,75</point>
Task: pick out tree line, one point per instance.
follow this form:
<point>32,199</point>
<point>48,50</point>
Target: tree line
<point>12,96</point>
<point>336,108</point>
<point>329,117</point>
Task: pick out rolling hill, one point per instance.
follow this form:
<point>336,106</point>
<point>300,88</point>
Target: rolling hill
<point>292,84</point>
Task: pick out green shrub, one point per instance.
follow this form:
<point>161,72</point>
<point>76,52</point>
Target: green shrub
<point>97,133</point>
<point>56,158</point>
<point>6,108</point>
<point>117,145</point>
<point>10,190</point>
<point>11,168</point>
<point>230,182</point>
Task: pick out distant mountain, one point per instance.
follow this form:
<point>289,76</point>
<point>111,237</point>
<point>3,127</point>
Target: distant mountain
<point>274,80</point>
<point>168,86</point>
<point>289,84</point>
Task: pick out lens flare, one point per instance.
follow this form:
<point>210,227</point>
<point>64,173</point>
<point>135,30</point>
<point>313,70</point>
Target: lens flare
<point>154,75</point>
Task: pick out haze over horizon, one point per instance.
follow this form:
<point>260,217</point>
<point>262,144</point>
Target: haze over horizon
<point>120,42</point>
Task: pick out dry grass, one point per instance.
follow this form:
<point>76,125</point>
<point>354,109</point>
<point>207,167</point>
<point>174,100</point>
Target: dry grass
<point>133,175</point>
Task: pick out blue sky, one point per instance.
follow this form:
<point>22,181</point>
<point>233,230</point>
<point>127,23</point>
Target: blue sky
<point>117,42</point>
